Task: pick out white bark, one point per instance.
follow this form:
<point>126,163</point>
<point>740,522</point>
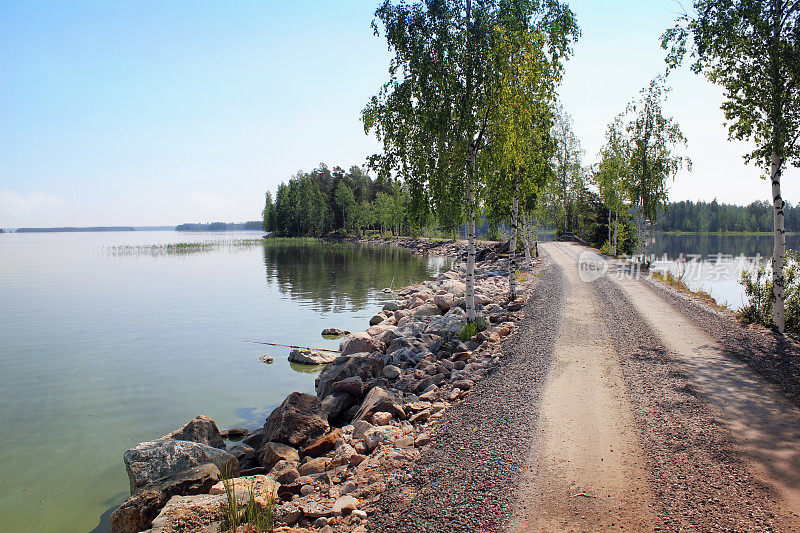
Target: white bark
<point>526,235</point>
<point>779,248</point>
<point>512,249</point>
<point>616,232</point>
<point>470,275</point>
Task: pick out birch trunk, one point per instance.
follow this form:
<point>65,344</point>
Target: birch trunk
<point>616,231</point>
<point>527,236</point>
<point>512,249</point>
<point>470,274</point>
<point>779,249</point>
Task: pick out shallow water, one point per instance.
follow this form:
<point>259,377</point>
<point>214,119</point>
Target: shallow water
<point>714,263</point>
<point>100,351</point>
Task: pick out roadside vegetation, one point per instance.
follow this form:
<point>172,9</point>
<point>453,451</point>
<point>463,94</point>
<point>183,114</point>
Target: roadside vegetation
<point>485,140</point>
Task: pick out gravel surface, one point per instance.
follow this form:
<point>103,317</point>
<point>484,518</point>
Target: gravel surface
<point>465,480</point>
<point>773,357</point>
<point>698,482</point>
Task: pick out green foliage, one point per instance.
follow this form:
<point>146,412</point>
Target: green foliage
<point>470,329</point>
<point>758,289</point>
<point>752,50</point>
<point>250,515</point>
<point>326,201</point>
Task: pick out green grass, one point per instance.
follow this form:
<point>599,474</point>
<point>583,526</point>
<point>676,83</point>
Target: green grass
<point>250,515</point>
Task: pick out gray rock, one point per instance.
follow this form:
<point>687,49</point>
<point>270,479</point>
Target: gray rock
<point>201,429</point>
<point>297,421</point>
<point>255,438</point>
<point>273,452</point>
<point>354,386</point>
<point>360,343</point>
<point>334,332</point>
<point>377,319</point>
<point>336,404</point>
<point>150,461</point>
<point>391,372</point>
<point>302,356</point>
<point>138,511</point>
<point>285,472</point>
<point>246,455</point>
<point>391,306</point>
<point>379,399</point>
<point>363,366</point>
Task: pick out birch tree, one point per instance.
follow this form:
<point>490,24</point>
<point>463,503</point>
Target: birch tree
<point>432,113</point>
<point>654,140</point>
<point>612,175</point>
<point>751,48</point>
<point>569,171</point>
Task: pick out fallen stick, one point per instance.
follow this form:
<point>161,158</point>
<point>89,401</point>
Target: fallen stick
<point>584,495</point>
<point>298,347</point>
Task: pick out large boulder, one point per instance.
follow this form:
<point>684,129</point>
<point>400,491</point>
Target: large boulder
<point>272,452</point>
<point>379,399</point>
<point>336,404</point>
<point>364,366</point>
<point>428,309</point>
<point>150,461</point>
<point>302,356</point>
<point>137,512</point>
<point>360,343</point>
<point>202,429</point>
<point>297,421</point>
<point>445,326</point>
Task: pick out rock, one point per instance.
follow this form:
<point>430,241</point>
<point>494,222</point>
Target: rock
<point>345,504</point>
<point>201,429</point>
<point>445,326</point>
<point>391,372</point>
<point>421,417</point>
<point>347,487</point>
<point>288,514</point>
<point>254,438</point>
<point>314,466</point>
<point>380,435</point>
<point>302,356</point>
<point>137,512</point>
<point>322,445</point>
<point>284,472</point>
<point>379,399</point>
<point>150,461</point>
<point>378,329</point>
<point>246,455</point>
<point>273,452</point>
<point>381,418</point>
<point>422,439</point>
<point>365,367</point>
<point>241,485</point>
<point>443,301</point>
<point>377,319</point>
<point>336,404</point>
<point>463,384</point>
<point>516,306</point>
<point>334,332</point>
<point>343,455</point>
<point>359,428</point>
<point>358,513</point>
<point>360,343</point>
<point>234,433</point>
<point>204,512</point>
<point>312,507</point>
<point>354,386</point>
<point>297,421</point>
<point>391,306</point>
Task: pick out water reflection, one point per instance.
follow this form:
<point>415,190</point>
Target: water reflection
<point>708,245</point>
<point>333,277</point>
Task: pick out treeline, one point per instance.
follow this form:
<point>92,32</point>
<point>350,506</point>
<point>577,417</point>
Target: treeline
<point>716,217</point>
<point>334,202</point>
<point>219,226</point>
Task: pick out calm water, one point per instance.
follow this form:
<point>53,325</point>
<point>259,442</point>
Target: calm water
<point>709,271</point>
<point>101,351</point>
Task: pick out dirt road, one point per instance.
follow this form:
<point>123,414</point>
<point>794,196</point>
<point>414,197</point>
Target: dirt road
<point>612,410</point>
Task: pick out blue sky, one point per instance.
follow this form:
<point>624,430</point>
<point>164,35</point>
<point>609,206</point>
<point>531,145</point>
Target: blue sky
<point>145,112</point>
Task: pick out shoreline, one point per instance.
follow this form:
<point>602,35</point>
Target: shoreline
<point>323,461</point>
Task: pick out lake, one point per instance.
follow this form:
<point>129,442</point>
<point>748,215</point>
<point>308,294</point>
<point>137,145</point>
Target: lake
<point>714,263</point>
<point>107,341</point>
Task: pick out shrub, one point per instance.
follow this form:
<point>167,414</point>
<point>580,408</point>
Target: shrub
<point>758,289</point>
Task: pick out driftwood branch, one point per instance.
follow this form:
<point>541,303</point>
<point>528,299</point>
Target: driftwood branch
<point>298,347</point>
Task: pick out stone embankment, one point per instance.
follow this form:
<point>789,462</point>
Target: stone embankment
<point>321,462</point>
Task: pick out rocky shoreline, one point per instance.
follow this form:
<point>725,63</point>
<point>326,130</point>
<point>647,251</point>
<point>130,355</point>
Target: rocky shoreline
<point>321,462</point>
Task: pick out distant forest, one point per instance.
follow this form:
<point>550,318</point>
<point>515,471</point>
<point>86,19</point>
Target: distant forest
<point>219,226</point>
<point>715,217</point>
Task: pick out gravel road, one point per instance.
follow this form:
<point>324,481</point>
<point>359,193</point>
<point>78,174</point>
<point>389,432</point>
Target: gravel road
<point>478,469</point>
